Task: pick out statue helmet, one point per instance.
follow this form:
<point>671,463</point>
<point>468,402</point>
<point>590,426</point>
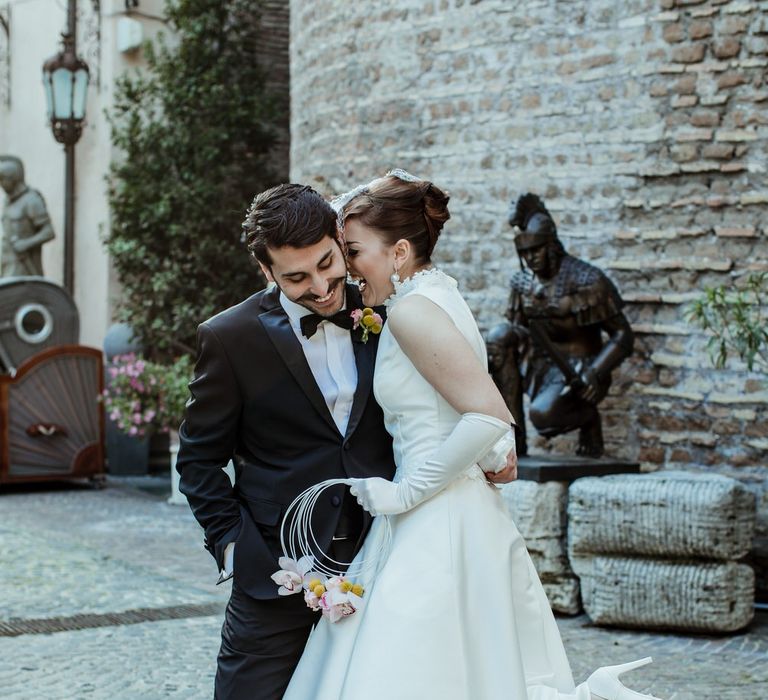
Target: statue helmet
<point>534,221</point>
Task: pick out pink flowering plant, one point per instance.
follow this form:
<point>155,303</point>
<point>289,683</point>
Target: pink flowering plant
<point>144,397</point>
<point>336,597</point>
<point>368,321</point>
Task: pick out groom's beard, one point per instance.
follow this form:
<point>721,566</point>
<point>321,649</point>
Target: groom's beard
<point>307,300</point>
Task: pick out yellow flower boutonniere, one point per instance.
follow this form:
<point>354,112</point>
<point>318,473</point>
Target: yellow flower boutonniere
<point>368,321</point>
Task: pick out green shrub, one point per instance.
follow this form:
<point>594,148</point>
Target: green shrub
<point>194,131</point>
<point>737,320</point>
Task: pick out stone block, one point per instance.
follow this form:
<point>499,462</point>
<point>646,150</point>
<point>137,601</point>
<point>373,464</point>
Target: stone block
<point>731,79</point>
<point>563,594</point>
<point>658,594</point>
<point>735,135</point>
<point>665,514</point>
<point>733,25</point>
<point>721,151</point>
<point>700,29</point>
<point>674,33</point>
<point>705,117</point>
<point>727,48</point>
<point>690,53</point>
<point>539,510</point>
<point>682,101</point>
<point>550,556</point>
<point>735,231</point>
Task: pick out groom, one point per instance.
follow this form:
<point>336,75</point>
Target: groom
<point>284,392</point>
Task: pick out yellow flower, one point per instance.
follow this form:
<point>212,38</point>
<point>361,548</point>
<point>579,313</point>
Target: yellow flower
<point>319,590</point>
<point>368,321</point>
<point>358,590</point>
<point>314,583</point>
<point>376,328</point>
<point>346,586</point>
<point>367,311</point>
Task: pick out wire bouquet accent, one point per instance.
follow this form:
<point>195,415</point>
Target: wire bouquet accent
<point>328,585</point>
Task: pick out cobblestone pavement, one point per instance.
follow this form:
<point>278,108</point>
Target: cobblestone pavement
<point>73,550</point>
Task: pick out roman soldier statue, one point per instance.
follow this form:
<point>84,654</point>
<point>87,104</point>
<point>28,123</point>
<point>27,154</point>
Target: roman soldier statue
<point>578,332</point>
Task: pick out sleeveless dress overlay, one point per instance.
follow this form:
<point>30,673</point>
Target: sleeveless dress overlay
<point>456,611</point>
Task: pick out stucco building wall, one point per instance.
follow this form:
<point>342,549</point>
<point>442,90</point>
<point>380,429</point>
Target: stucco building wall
<point>34,29</point>
<point>34,33</point>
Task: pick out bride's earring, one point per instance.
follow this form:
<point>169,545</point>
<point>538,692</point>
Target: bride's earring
<point>395,279</point>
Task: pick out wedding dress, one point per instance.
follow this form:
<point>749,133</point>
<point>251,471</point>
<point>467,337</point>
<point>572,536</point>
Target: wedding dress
<point>456,611</point>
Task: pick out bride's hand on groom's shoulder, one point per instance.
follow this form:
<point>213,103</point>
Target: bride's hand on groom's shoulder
<point>506,475</point>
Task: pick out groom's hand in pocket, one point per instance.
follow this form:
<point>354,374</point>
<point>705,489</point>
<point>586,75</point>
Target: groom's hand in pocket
<point>506,475</point>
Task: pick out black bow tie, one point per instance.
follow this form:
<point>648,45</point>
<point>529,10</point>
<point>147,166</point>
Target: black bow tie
<point>343,319</point>
<point>310,322</point>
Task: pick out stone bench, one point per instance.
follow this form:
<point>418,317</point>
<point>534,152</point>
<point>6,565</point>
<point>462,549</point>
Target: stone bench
<point>691,596</point>
<point>660,550</point>
<point>666,514</point>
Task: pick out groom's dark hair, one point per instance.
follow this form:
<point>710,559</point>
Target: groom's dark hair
<point>287,215</point>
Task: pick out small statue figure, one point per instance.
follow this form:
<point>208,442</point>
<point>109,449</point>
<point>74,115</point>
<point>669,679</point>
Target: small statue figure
<point>505,344</point>
<point>567,306</point>
<point>26,225</point>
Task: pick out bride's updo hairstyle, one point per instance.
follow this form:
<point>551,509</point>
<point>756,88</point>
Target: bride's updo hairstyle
<point>397,209</point>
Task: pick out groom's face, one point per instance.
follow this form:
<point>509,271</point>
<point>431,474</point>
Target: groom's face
<point>312,276</point>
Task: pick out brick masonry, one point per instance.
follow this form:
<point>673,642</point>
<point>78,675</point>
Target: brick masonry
<point>643,124</point>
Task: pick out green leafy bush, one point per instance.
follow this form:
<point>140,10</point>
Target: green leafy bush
<point>737,320</point>
<point>194,131</point>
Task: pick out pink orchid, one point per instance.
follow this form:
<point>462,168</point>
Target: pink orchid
<point>290,577</point>
<point>357,316</point>
<point>312,601</point>
<point>339,604</point>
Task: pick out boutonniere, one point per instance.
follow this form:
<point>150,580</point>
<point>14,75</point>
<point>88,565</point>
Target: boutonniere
<point>368,321</point>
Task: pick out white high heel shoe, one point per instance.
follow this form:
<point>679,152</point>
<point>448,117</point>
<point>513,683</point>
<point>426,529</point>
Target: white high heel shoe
<point>605,683</point>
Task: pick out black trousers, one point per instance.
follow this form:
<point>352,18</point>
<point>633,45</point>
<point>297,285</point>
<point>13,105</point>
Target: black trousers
<point>262,640</point>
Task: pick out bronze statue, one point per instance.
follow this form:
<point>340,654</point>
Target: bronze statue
<point>26,225</point>
<point>567,306</point>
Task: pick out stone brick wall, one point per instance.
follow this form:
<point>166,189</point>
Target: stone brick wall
<point>642,123</point>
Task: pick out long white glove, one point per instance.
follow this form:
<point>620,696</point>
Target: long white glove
<point>472,438</point>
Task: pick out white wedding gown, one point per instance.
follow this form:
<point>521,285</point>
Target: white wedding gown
<point>457,611</point>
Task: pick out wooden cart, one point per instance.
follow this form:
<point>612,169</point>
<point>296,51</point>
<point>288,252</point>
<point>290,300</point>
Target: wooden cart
<point>51,417</point>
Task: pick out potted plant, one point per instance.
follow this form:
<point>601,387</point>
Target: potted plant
<point>143,398</point>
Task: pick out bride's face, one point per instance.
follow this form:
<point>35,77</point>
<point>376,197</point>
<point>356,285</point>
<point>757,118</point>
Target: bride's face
<point>371,262</point>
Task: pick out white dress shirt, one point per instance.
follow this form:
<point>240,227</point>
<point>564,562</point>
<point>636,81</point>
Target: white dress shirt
<point>331,358</point>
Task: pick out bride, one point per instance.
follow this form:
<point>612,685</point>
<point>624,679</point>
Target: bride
<point>455,609</point>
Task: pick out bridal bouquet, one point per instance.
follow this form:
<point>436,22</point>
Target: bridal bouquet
<point>335,597</point>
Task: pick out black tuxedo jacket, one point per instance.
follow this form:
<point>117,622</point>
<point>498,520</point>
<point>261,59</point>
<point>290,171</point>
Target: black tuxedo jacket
<point>255,401</point>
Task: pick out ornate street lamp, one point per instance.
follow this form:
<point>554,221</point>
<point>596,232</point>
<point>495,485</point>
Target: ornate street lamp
<point>65,78</point>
